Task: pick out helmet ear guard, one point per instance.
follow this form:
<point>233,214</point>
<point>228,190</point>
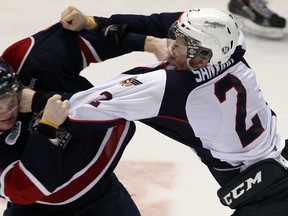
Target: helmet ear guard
<point>195,50</point>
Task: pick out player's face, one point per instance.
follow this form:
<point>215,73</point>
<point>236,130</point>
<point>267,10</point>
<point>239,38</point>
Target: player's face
<point>178,53</point>
<point>8,111</point>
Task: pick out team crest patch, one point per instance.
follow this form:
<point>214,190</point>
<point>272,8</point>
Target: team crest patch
<point>225,50</point>
<point>62,137</point>
<point>131,81</point>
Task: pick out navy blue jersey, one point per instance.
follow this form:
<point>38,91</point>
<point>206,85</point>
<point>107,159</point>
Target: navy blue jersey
<point>52,59</point>
<point>155,24</point>
<point>75,171</point>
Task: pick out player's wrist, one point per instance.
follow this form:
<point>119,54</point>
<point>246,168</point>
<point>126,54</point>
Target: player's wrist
<point>91,23</point>
<point>52,124</point>
<point>46,130</point>
<point>150,44</point>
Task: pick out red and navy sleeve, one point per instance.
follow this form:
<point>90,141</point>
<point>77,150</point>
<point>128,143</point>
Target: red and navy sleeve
<point>35,174</point>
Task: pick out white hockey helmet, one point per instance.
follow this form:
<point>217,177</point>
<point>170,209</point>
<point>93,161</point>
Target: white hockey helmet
<point>209,32</point>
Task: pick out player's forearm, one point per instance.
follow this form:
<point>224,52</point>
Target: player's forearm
<point>157,46</point>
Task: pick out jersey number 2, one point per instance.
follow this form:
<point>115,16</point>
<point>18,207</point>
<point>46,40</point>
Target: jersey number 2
<point>246,136</point>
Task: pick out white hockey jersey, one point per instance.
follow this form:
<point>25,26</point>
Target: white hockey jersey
<point>217,110</point>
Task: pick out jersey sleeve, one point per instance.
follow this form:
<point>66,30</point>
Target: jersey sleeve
<point>29,179</point>
<point>138,27</point>
<point>128,96</point>
<point>155,24</point>
<point>53,58</point>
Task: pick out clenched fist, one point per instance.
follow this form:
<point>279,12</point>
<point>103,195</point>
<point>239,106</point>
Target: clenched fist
<point>74,20</point>
<point>56,111</point>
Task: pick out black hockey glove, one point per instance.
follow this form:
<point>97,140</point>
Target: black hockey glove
<point>114,33</point>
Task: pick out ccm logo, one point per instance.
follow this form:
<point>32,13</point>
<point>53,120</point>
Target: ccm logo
<point>242,188</point>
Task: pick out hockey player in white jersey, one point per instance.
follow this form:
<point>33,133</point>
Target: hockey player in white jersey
<point>207,98</point>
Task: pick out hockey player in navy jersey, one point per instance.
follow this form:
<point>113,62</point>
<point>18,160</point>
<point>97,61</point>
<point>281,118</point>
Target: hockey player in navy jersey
<point>44,169</point>
<point>205,97</point>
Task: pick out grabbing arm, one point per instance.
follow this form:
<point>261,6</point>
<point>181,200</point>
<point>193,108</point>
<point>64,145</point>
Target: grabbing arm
<point>132,32</point>
<point>37,172</point>
<point>74,20</point>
